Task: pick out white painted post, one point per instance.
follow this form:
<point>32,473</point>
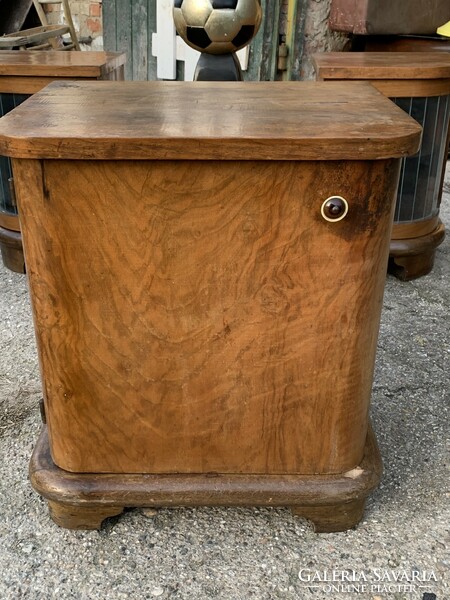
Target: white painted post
<point>163,41</point>
<point>189,56</point>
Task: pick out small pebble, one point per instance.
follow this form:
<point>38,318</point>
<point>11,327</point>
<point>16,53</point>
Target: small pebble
<point>149,512</point>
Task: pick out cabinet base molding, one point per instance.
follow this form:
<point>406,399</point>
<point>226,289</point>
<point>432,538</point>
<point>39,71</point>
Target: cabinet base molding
<point>11,250</point>
<point>414,257</point>
<point>84,500</point>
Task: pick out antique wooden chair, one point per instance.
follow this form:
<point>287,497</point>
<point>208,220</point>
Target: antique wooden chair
<point>45,37</point>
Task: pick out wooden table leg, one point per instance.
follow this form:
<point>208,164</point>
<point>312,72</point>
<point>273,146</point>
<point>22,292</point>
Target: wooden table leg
<point>414,257</point>
<point>11,249</point>
<point>336,517</point>
<point>79,517</point>
<point>407,268</point>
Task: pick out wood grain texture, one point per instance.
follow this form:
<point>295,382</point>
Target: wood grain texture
<point>411,229</point>
<point>11,250</point>
<point>418,244</point>
<point>418,88</point>
<point>202,316</point>
<point>413,257</point>
<point>413,75</point>
<point>30,72</point>
<point>27,73</point>
<point>9,221</point>
<point>330,519</point>
<point>59,64</point>
<point>26,85</point>
<point>380,65</point>
<point>396,75</point>
<point>409,267</point>
<point>407,88</point>
<point>82,501</point>
<point>374,43</point>
<point>32,85</point>
<point>178,120</point>
<point>78,517</point>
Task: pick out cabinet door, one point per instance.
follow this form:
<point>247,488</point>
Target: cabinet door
<point>203,316</point>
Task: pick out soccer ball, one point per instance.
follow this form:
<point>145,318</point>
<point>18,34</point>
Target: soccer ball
<point>217,26</point>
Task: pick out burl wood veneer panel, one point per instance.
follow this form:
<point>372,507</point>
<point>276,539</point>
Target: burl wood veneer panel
<point>202,316</point>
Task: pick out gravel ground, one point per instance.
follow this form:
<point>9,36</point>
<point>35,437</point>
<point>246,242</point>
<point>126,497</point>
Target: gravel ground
<point>238,554</point>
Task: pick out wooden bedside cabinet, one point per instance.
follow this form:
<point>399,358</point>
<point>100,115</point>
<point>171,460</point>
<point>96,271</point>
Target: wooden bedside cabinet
<point>418,82</point>
<point>23,74</point>
<point>206,265</point>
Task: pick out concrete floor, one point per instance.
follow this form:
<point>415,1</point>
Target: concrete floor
<point>237,554</point>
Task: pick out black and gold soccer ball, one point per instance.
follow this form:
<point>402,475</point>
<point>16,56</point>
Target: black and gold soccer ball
<point>217,26</point>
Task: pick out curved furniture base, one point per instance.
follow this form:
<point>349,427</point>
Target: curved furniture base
<point>11,250</point>
<point>83,501</point>
<point>414,257</point>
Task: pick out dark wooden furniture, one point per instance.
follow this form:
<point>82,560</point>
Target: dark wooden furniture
<point>206,315</point>
<point>23,74</point>
<point>420,84</point>
<point>385,17</point>
<point>400,43</point>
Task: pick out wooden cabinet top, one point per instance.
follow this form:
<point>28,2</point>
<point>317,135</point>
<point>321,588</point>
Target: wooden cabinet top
<point>208,120</point>
<point>382,65</point>
<point>59,64</point>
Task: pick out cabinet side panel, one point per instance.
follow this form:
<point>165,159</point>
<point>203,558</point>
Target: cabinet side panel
<point>29,189</point>
<point>202,316</point>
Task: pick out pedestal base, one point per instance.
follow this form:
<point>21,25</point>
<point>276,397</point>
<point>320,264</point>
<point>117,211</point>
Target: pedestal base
<point>11,250</point>
<point>218,67</point>
<point>414,257</point>
<point>83,501</point>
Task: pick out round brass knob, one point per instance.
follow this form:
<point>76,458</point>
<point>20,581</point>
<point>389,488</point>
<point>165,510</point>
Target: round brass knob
<point>334,208</point>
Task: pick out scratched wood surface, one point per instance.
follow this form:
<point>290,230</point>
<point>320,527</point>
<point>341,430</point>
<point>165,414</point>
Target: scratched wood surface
<point>394,74</point>
<point>204,120</point>
<point>201,316</point>
<point>382,65</point>
<point>29,72</point>
<point>408,88</point>
<point>84,500</point>
<point>60,64</point>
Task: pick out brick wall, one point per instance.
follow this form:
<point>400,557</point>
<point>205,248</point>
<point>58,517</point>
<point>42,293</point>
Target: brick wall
<point>87,19</point>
